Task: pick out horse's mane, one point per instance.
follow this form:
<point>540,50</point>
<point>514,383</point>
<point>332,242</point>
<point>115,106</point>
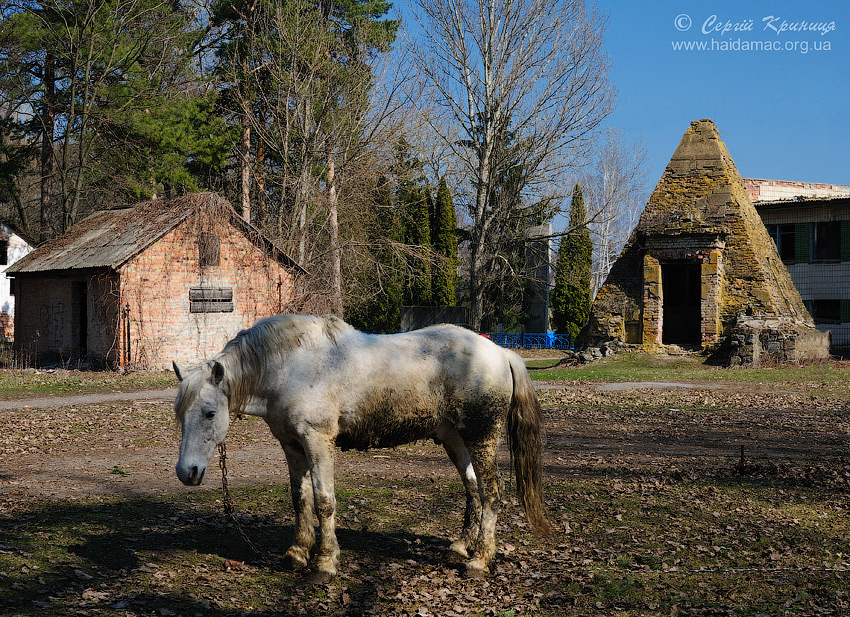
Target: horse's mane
<point>247,356</point>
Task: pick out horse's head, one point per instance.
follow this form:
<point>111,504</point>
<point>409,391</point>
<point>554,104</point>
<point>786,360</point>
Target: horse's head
<point>201,409</point>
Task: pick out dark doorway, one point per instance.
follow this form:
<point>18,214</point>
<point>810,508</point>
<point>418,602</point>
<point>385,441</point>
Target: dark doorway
<point>80,315</point>
<point>680,285</point>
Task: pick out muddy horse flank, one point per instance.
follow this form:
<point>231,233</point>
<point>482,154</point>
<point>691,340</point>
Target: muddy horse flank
<point>319,383</point>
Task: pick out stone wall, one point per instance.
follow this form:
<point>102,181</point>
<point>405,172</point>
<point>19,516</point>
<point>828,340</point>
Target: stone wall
<point>700,214</point>
<point>754,341</point>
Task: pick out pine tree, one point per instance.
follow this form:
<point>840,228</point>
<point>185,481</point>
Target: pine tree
<point>571,296</point>
<point>444,243</point>
<point>380,308</point>
<point>413,203</point>
<point>97,90</point>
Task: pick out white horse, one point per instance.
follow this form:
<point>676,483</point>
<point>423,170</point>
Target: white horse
<point>318,382</point>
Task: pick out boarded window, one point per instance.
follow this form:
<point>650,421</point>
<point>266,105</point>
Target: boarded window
<point>827,241</point>
<point>210,300</point>
<point>209,250</point>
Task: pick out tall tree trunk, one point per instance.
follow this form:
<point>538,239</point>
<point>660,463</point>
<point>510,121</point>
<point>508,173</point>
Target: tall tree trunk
<point>478,255</point>
<point>45,225</point>
<point>336,254</point>
<point>260,201</point>
<point>246,169</point>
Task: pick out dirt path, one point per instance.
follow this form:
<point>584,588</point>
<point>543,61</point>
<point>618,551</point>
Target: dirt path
<point>53,402</point>
<point>126,444</point>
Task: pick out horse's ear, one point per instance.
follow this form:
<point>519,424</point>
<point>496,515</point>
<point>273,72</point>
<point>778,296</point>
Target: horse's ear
<point>217,372</point>
<point>177,371</point>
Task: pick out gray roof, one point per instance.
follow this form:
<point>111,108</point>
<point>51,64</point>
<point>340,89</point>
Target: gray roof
<point>110,238</point>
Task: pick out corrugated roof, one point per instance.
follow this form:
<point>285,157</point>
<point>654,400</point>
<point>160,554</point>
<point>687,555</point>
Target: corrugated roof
<point>110,238</point>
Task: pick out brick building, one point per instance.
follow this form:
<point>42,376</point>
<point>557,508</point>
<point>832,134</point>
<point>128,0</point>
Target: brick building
<point>701,270</point>
<point>810,224</point>
<point>165,280</point>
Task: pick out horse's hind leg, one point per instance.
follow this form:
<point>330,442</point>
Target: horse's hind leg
<point>302,502</point>
<point>459,455</point>
<point>483,456</point>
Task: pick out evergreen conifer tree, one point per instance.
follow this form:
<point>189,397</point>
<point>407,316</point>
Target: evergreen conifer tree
<point>444,243</point>
<point>571,296</point>
<point>413,203</point>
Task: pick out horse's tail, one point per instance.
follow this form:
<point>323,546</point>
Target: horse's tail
<point>525,440</point>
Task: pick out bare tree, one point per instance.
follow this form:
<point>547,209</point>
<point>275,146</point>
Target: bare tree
<point>525,82</point>
<point>314,111</point>
<point>615,192</point>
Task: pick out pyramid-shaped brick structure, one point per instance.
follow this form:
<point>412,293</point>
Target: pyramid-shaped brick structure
<point>701,269</point>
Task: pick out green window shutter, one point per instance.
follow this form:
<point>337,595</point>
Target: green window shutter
<point>845,241</point>
<point>845,310</point>
<point>802,252</point>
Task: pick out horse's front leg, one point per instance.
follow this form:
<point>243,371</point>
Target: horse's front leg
<point>320,454</point>
<point>302,502</point>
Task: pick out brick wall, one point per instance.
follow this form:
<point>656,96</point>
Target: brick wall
<point>154,295</point>
<point>139,316</point>
<point>777,190</point>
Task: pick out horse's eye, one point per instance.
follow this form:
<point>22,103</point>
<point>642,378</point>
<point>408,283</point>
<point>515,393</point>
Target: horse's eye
<point>209,415</point>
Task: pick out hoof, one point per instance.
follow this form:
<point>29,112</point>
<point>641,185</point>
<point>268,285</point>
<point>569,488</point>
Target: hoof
<point>458,547</point>
<point>477,568</point>
<point>320,578</point>
<point>295,559</point>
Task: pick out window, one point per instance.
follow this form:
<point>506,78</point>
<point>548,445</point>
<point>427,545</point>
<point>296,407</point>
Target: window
<point>210,300</point>
<point>4,252</point>
<point>784,237</point>
<point>826,241</point>
<point>209,250</point>
<point>826,311</point>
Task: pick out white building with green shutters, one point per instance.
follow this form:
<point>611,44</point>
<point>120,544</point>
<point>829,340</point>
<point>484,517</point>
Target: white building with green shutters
<point>810,223</point>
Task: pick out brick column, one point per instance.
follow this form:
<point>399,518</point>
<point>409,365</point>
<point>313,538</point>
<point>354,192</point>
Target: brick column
<point>712,275</point>
<point>652,301</point>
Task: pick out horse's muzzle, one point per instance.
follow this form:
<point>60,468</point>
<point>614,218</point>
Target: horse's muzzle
<point>191,475</point>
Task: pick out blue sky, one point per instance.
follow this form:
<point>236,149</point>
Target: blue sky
<point>783,114</point>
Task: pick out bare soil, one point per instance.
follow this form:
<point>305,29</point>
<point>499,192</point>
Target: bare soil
<point>75,447</point>
<point>79,447</point>
<point>669,500</point>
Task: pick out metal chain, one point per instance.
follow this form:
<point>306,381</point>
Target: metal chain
<point>230,510</point>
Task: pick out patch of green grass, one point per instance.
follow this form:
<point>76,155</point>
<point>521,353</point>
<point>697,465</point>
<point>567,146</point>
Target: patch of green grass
<point>830,376</point>
<point>15,384</point>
